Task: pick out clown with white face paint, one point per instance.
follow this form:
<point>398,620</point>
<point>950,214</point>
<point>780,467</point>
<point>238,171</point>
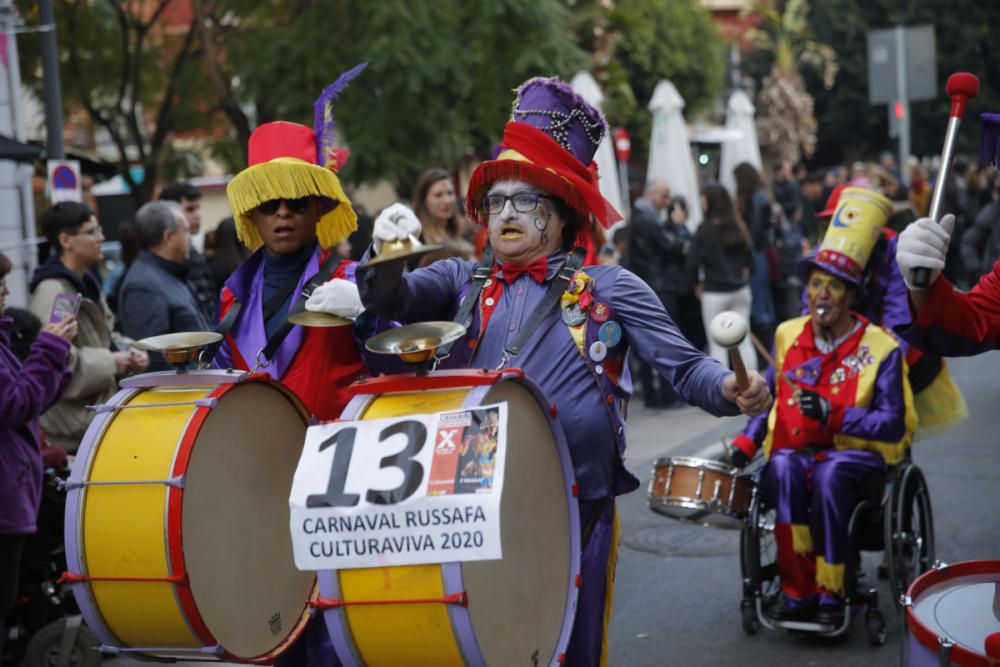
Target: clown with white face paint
<point>843,409</point>
<point>535,198</point>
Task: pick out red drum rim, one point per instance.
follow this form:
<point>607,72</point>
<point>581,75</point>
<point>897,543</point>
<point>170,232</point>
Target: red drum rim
<point>959,654</point>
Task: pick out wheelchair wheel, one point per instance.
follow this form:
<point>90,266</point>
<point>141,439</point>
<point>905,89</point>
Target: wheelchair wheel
<point>909,530</point>
<point>875,628</point>
<point>759,560</point>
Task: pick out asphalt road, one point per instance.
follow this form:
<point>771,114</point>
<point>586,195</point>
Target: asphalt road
<point>678,591</point>
<point>678,588</point>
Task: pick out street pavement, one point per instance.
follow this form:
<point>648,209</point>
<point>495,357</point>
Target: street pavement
<point>678,588</point>
<point>677,593</point>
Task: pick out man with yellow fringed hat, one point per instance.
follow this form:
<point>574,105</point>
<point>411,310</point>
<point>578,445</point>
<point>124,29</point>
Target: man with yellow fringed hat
<point>530,304</point>
<point>842,410</point>
<point>291,210</point>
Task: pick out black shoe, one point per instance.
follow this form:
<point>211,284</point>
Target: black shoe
<point>789,613</point>
<point>829,614</point>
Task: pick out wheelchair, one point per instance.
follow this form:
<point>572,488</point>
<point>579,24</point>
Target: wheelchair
<point>894,516</point>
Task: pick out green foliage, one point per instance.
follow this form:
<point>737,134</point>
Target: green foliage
<point>438,83</point>
<point>850,127</point>
<point>673,40</point>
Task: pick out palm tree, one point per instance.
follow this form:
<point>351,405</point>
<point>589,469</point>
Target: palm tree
<point>788,125</point>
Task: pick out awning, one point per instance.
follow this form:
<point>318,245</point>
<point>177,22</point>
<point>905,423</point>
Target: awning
<point>11,149</point>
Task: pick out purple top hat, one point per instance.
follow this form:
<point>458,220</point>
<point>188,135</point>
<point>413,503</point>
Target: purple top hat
<point>550,105</point>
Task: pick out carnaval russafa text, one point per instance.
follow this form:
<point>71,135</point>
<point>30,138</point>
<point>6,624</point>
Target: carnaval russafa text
<point>400,491</point>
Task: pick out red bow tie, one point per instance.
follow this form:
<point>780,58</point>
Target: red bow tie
<point>537,270</point>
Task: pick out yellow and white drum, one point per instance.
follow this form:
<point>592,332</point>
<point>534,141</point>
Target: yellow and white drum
<point>177,519</point>
<point>514,611</point>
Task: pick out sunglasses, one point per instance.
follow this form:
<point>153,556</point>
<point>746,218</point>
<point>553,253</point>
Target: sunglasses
<point>299,205</point>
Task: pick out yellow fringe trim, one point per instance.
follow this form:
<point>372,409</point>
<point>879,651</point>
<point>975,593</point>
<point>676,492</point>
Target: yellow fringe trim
<point>609,596</point>
<point>290,178</point>
<point>802,540</point>
<point>830,577</point>
<point>941,404</point>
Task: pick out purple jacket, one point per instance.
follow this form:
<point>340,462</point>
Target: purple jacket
<point>25,393</point>
<point>594,427</point>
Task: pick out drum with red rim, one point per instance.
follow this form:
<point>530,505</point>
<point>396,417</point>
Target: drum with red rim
<point>953,615</point>
<point>177,519</point>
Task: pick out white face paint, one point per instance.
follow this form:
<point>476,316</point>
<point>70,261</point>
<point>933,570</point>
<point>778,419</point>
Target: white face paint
<point>523,237</point>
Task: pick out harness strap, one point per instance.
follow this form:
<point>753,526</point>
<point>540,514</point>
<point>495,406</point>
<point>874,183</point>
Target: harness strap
<point>479,278</point>
<point>551,298</point>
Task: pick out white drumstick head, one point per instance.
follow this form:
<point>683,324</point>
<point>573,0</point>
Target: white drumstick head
<point>728,328</point>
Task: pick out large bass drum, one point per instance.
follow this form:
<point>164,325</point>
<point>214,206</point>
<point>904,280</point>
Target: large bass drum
<point>514,611</point>
<point>177,496</point>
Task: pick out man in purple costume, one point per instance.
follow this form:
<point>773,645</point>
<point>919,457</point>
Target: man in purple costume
<point>536,197</point>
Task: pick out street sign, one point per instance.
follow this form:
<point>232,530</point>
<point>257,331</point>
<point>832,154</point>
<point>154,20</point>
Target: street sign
<point>623,145</point>
<point>64,181</point>
<point>916,55</point>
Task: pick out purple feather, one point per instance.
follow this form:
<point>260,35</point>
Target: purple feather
<point>324,122</point>
<point>989,143</point>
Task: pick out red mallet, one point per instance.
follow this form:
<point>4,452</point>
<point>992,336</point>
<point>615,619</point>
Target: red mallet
<point>961,88</point>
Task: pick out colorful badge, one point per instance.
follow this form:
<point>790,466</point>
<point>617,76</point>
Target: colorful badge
<point>598,351</point>
<point>610,333</point>
<point>573,316</point>
<point>600,313</point>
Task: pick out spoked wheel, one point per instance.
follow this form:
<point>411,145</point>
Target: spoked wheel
<point>759,563</point>
<point>909,531</point>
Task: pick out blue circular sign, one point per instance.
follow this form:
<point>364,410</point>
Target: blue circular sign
<point>63,178</point>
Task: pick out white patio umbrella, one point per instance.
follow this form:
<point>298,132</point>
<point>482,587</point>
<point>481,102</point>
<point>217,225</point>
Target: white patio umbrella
<point>739,116</point>
<point>670,158</point>
<point>607,167</point>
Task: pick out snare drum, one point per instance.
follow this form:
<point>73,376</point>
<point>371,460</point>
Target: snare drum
<point>177,518</point>
<point>951,610</point>
<point>700,491</point>
<point>514,611</point>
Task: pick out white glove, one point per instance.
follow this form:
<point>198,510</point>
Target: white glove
<point>924,243</point>
<point>336,297</point>
<point>394,223</point>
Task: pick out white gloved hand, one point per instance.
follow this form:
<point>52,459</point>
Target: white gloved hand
<point>924,243</point>
<point>394,223</point>
<point>336,297</point>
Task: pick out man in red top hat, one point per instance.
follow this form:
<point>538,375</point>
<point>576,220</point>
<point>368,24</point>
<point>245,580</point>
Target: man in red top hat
<point>533,304</point>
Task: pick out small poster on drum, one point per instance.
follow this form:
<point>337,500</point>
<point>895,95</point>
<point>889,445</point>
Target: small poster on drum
<point>400,491</point>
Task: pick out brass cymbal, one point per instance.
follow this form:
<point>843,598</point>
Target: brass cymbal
<point>313,318</point>
<point>415,343</point>
<point>405,250</point>
<point>179,348</point>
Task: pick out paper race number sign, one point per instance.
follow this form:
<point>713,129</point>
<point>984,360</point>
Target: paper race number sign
<point>400,491</point>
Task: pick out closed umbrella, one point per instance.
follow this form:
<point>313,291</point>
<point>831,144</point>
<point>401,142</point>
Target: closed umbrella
<point>670,158</point>
<point>739,116</point>
<point>607,167</point>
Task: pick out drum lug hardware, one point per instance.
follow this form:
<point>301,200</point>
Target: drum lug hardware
<point>209,403</point>
<point>701,483</point>
<point>176,482</point>
<point>939,565</point>
<point>905,600</point>
<point>944,654</point>
<point>670,478</point>
<point>716,492</point>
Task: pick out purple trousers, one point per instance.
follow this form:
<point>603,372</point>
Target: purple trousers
<point>814,497</point>
<point>593,610</point>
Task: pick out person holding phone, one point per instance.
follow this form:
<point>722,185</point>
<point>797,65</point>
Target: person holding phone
<point>26,390</point>
<point>99,355</point>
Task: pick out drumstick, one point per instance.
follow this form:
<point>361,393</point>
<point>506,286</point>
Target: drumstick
<point>728,329</point>
<point>770,362</point>
<point>961,87</point>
